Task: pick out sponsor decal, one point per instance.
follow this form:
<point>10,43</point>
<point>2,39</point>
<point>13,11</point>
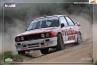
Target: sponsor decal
<point>71,37</point>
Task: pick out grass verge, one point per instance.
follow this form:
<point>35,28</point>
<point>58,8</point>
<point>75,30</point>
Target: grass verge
<point>95,63</point>
<point>8,55</point>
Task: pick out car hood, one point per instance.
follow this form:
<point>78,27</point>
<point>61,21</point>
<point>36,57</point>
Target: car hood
<point>42,30</point>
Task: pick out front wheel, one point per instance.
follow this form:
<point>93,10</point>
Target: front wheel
<point>21,52</point>
<point>44,51</point>
<point>60,42</point>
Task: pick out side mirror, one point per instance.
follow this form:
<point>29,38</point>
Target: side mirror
<point>77,23</point>
<point>62,25</point>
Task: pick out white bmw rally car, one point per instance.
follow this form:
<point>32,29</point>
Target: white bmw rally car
<point>48,32</point>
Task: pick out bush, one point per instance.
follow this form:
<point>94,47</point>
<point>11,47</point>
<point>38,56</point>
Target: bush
<point>1,58</point>
<point>95,63</point>
<point>18,58</point>
<point>8,54</point>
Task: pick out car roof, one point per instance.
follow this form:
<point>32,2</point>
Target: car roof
<point>48,17</point>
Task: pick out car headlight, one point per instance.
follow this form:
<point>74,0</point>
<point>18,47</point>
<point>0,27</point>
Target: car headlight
<point>22,38</point>
<point>17,39</point>
<point>47,35</point>
<point>43,35</point>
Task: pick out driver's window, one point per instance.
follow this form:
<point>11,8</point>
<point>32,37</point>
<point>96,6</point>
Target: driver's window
<point>63,20</point>
<point>70,22</point>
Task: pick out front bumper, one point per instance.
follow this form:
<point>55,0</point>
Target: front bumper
<point>36,44</point>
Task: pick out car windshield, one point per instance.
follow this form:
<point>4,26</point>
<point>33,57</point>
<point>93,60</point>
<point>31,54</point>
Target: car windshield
<point>49,22</point>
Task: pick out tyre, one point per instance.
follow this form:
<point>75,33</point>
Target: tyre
<point>79,38</point>
<point>21,52</point>
<point>60,42</point>
<point>44,51</point>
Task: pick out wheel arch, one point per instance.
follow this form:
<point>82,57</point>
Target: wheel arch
<point>59,33</point>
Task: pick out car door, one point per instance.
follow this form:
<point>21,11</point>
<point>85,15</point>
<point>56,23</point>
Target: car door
<point>71,31</point>
<point>64,29</point>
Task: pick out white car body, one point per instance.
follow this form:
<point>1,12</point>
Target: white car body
<point>69,34</point>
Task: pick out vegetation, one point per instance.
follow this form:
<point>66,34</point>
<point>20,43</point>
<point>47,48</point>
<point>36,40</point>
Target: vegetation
<point>8,54</point>
<point>95,63</point>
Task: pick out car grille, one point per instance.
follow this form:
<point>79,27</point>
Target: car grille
<point>31,37</point>
<point>28,37</point>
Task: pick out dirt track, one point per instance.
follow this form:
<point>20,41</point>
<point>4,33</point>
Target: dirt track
<point>75,54</point>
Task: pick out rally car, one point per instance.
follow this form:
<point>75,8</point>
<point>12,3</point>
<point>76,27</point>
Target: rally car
<point>49,32</point>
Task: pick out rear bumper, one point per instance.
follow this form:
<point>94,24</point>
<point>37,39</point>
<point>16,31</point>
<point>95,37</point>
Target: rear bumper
<point>36,44</point>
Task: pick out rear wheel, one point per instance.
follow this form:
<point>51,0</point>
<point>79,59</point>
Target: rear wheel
<point>21,52</point>
<point>60,42</point>
<point>44,51</point>
<point>79,38</point>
